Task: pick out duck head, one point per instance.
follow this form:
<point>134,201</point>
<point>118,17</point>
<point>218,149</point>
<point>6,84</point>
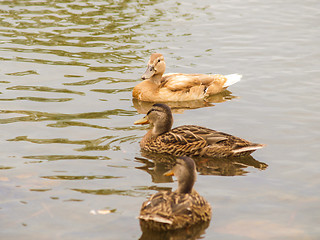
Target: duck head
<point>185,171</point>
<point>159,117</point>
<point>156,67</point>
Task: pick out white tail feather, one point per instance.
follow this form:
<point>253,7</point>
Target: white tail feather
<point>232,79</point>
<point>249,148</point>
<point>155,218</point>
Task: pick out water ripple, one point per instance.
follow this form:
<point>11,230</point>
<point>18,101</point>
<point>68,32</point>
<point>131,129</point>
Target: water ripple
<point>44,116</point>
<point>64,177</point>
<point>44,89</point>
<point>66,157</point>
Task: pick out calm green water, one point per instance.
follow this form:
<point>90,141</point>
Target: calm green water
<point>70,163</point>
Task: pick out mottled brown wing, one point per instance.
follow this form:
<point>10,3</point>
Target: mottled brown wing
<point>181,142</point>
<point>191,208</point>
<point>213,137</point>
<point>209,135</point>
<point>171,210</point>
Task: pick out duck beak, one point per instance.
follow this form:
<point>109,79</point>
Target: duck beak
<point>169,173</point>
<point>142,121</point>
<point>149,72</point>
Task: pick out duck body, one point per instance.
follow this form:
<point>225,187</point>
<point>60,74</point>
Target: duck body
<point>189,140</point>
<point>172,87</point>
<point>184,207</point>
<point>167,210</point>
<point>192,140</point>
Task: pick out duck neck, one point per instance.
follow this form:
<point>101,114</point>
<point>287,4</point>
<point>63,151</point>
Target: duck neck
<point>186,184</point>
<point>146,138</point>
<point>155,131</point>
<point>161,128</point>
<point>156,79</point>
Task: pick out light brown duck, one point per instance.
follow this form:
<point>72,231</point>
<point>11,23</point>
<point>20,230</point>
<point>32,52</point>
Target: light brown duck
<point>171,87</point>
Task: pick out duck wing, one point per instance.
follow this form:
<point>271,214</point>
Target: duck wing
<point>180,142</point>
<point>192,140</point>
<point>179,81</point>
<point>171,210</point>
<point>197,132</point>
<point>190,208</point>
<point>217,143</point>
<point>186,140</point>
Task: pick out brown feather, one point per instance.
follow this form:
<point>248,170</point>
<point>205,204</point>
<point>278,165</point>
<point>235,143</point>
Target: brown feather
<point>192,140</point>
<point>168,210</point>
<point>181,210</point>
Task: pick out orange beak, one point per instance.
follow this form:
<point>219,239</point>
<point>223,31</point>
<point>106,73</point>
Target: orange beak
<point>142,121</point>
<point>169,173</point>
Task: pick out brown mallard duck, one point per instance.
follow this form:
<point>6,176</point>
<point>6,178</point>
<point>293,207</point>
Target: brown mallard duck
<point>173,87</point>
<point>184,207</point>
<point>189,140</point>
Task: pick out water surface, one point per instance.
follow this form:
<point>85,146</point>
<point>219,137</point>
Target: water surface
<point>70,161</point>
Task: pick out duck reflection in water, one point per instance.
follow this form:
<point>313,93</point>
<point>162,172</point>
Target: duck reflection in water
<point>156,164</point>
<point>179,107</point>
<point>191,233</point>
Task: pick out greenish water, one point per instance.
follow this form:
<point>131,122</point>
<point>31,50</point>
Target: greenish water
<point>70,163</point>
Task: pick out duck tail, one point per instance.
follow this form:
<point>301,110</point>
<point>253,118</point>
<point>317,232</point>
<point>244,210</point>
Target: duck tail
<point>250,148</point>
<point>155,218</point>
<point>232,79</point>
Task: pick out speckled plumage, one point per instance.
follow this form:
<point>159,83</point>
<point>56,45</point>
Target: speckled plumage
<point>184,207</point>
<point>190,140</point>
<point>172,210</point>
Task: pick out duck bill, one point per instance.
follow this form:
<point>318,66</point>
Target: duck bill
<point>142,121</point>
<point>169,173</point>
<point>149,72</point>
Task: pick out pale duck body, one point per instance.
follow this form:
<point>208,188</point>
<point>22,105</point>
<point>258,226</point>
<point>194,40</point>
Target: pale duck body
<point>160,87</point>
